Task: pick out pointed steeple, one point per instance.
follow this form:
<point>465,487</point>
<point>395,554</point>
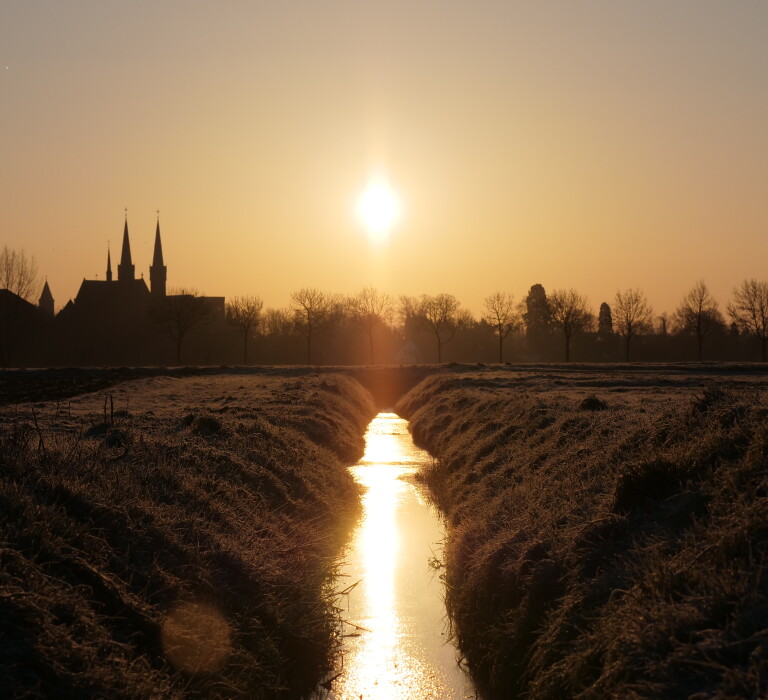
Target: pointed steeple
<point>157,271</point>
<point>126,270</point>
<point>46,300</point>
<point>109,264</point>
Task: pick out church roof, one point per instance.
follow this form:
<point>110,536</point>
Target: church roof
<point>121,295</point>
<point>9,300</point>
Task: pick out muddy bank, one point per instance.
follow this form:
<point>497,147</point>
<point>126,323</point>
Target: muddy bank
<point>606,538</point>
<point>175,536</point>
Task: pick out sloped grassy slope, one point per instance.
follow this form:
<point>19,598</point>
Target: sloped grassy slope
<point>181,548</point>
<point>601,548</point>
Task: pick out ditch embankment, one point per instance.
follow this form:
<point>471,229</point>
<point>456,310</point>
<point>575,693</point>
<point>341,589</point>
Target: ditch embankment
<point>607,534</point>
<point>176,536</point>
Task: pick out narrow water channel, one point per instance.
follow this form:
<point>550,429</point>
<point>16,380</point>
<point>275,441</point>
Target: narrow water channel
<point>397,646</point>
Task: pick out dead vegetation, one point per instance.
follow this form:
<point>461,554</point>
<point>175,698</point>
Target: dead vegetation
<point>181,547</point>
<point>602,543</point>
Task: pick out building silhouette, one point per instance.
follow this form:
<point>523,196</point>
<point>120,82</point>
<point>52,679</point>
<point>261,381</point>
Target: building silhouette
<point>46,300</point>
<point>25,329</point>
<point>158,271</point>
<point>115,321</point>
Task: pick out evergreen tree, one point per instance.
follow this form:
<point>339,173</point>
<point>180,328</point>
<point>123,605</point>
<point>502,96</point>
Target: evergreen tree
<point>537,317</point>
<point>605,321</point>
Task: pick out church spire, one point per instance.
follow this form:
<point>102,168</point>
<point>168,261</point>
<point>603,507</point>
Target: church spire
<point>157,271</point>
<point>126,270</point>
<point>109,264</point>
<point>46,299</point>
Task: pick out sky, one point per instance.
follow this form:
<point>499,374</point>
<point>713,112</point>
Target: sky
<point>598,145</point>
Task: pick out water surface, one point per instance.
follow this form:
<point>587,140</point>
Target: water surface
<point>397,645</point>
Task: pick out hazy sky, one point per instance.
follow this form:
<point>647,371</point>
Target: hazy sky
<point>595,145</point>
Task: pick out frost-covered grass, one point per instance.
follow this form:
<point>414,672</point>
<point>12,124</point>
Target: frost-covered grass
<point>176,536</point>
<point>607,533</point>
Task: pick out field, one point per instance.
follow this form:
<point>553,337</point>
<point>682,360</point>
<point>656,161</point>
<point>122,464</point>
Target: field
<point>174,536</point>
<point>608,527</point>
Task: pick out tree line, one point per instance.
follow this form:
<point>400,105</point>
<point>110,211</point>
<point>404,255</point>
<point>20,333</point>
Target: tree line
<point>374,327</point>
<point>541,326</point>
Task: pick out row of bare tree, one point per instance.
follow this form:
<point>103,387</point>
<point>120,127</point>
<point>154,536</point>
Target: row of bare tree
<point>698,314</point>
<point>538,317</point>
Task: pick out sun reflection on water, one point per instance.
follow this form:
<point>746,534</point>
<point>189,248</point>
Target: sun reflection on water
<point>395,612</point>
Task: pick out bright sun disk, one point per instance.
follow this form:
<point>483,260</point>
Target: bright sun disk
<point>378,208</point>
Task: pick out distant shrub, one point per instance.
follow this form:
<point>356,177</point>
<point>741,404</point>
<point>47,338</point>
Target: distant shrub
<point>99,430</point>
<point>116,438</point>
<point>208,426</point>
<point>592,403</point>
<point>654,480</point>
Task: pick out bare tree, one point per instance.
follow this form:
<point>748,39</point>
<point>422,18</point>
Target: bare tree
<point>179,313</point>
<point>501,315</point>
<point>749,310</point>
<point>278,322</point>
<point>570,314</point>
<point>410,316</point>
<point>440,315</point>
<point>18,274</point>
<point>371,309</point>
<point>279,333</point>
<point>632,315</point>
<point>245,314</point>
<point>698,314</point>
<point>311,311</point>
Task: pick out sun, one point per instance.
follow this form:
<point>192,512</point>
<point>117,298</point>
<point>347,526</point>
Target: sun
<point>378,208</point>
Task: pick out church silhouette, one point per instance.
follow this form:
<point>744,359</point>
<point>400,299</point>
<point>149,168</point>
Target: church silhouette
<point>121,321</point>
<point>98,296</point>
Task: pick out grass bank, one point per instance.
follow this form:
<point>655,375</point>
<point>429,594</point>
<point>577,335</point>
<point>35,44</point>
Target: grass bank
<point>602,543</point>
<point>175,537</point>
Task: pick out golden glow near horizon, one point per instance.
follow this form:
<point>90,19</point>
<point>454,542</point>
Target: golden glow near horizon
<point>378,208</point>
<point>594,145</point>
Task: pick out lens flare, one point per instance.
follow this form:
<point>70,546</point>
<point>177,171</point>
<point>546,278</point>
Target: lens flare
<point>196,637</point>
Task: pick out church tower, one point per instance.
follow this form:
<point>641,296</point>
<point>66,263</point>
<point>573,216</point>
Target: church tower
<point>46,300</point>
<point>126,270</point>
<point>109,265</point>
<point>157,271</point>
